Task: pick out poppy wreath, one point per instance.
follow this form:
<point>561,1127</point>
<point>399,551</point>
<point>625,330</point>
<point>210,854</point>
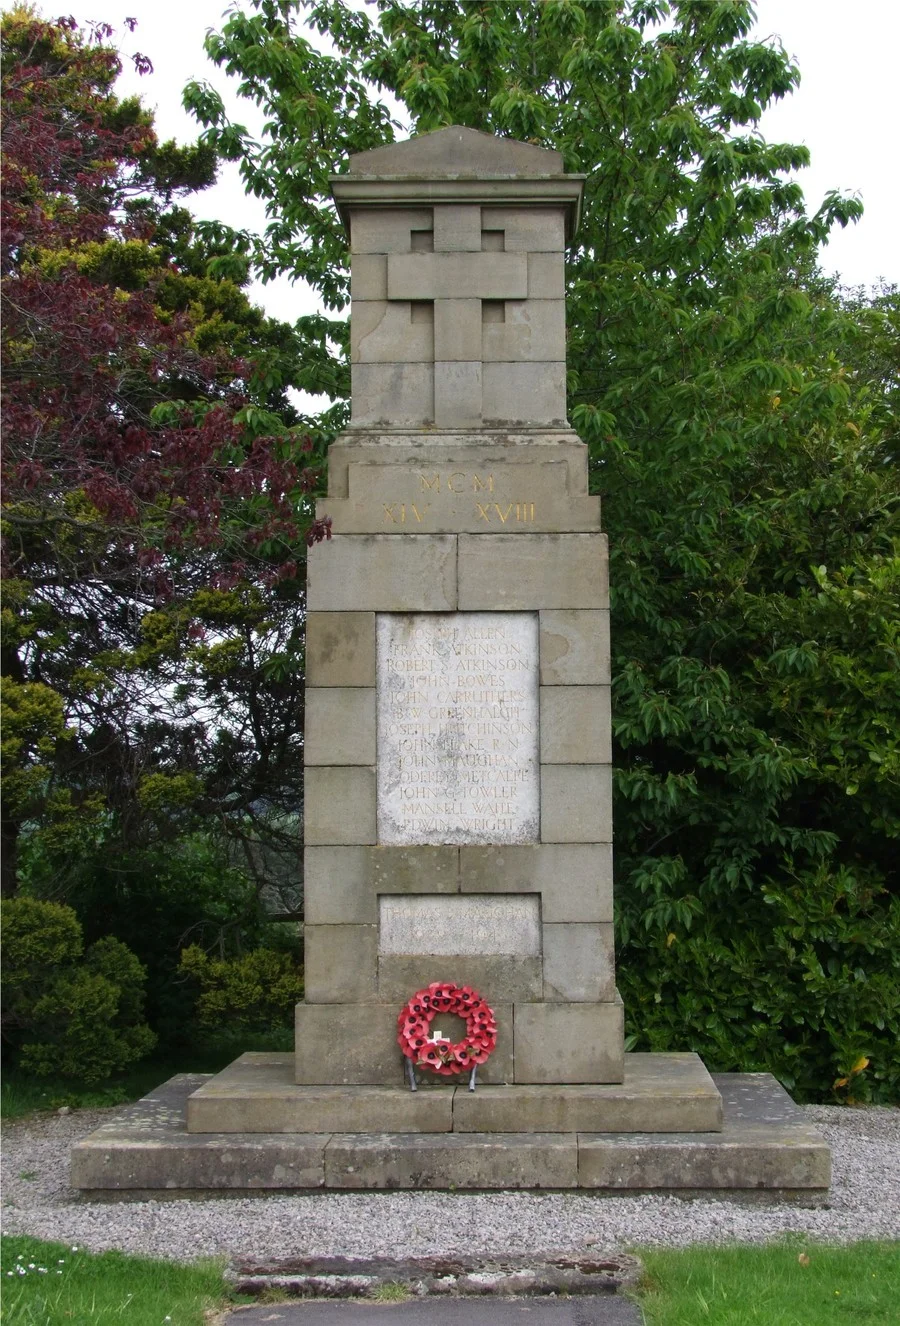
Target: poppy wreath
<point>444,1057</point>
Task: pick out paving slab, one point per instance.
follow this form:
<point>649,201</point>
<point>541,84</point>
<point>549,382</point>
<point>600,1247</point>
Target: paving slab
<point>257,1093</point>
<point>148,1150</point>
<point>765,1144</point>
<point>451,1161</point>
<point>661,1093</point>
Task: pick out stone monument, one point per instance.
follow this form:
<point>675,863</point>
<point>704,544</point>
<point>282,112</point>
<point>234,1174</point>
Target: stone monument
<point>458,776</point>
<point>458,822</point>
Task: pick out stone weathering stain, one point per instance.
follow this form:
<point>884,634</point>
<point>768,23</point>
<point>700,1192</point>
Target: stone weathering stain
<point>458,776</point>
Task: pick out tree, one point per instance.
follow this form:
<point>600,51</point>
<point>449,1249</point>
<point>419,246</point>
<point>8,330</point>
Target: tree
<point>157,494</point>
<point>740,418</point>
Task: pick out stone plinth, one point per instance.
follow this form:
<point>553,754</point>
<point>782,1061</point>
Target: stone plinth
<point>660,1093</point>
<point>764,1151</point>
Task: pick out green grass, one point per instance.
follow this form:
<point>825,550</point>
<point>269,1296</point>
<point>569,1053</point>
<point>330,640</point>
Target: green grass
<point>391,1292</point>
<point>54,1284</point>
<point>772,1285</point>
<point>21,1094</point>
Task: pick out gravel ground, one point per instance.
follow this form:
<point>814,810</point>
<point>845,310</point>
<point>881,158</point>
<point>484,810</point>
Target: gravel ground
<point>865,1203</point>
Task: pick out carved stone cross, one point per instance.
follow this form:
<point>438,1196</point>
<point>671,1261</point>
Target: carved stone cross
<point>463,269</point>
<point>457,285</point>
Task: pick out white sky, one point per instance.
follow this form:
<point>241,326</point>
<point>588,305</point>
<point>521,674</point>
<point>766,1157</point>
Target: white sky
<point>844,111</point>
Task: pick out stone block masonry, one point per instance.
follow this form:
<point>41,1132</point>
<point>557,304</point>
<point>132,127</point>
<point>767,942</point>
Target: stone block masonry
<point>502,1138</point>
<point>458,626</point>
<point>486,784</point>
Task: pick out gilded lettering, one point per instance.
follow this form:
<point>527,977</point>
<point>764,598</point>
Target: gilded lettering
<point>504,516</point>
<point>390,514</point>
<point>483,512</point>
<point>450,482</point>
<point>478,483</point>
<point>430,485</point>
<point>419,515</point>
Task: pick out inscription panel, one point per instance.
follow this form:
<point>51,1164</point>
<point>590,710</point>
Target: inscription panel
<point>511,496</point>
<point>470,923</point>
<point>458,727</point>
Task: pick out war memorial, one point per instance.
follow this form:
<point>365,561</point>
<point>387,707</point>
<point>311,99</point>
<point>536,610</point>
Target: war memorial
<point>461,1027</point>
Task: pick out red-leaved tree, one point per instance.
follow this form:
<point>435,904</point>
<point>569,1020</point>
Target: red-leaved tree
<point>156,491</point>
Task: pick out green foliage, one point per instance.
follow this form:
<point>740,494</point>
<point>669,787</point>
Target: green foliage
<point>256,991</point>
<point>32,723</point>
<point>54,1284</point>
<point>740,413</point>
<point>38,938</point>
<point>794,1283</point>
<point>66,1015</point>
<point>156,898</point>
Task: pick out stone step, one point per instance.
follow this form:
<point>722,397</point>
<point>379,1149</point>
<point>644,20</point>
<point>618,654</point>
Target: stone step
<point>661,1093</point>
<point>765,1149</point>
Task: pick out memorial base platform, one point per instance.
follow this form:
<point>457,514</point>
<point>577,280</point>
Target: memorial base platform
<point>764,1149</point>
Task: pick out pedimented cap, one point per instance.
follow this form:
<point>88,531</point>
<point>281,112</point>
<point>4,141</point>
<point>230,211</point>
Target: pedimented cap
<point>457,151</point>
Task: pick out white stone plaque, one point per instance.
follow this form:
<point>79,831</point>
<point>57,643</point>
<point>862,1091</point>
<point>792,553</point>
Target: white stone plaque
<point>446,924</point>
<point>458,727</point>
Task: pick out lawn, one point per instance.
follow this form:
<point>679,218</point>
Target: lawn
<point>55,1284</point>
<point>795,1283</point>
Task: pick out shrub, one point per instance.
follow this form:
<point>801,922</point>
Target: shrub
<point>157,899</point>
<point>257,991</point>
<point>798,979</point>
<point>64,1015</point>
